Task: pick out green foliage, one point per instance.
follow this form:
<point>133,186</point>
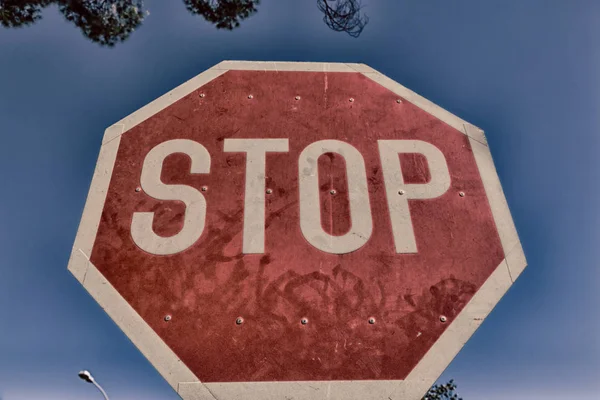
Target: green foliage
<point>17,13</point>
<point>224,14</point>
<point>108,22</point>
<point>442,392</point>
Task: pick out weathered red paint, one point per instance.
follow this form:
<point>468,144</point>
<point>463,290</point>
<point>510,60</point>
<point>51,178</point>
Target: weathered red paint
<point>206,287</point>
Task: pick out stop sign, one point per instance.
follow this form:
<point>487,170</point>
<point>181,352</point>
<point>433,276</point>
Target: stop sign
<point>296,230</point>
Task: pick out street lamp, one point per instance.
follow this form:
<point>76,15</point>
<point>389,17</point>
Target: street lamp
<point>87,376</point>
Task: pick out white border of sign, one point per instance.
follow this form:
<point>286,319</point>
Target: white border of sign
<point>187,385</point>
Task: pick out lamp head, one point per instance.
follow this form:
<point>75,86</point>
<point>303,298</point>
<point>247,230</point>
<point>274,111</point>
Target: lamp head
<point>86,376</point>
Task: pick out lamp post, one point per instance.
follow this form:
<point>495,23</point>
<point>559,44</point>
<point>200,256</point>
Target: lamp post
<point>87,376</point>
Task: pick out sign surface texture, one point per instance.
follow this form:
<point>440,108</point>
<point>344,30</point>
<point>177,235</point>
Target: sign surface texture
<point>296,230</point>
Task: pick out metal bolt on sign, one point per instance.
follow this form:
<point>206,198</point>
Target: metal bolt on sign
<point>138,189</point>
<point>297,97</point>
<point>304,321</point>
<point>332,191</point>
<point>443,318</point>
<point>371,320</point>
<point>167,318</point>
<point>269,191</point>
<point>461,194</point>
<point>204,188</point>
<point>239,320</point>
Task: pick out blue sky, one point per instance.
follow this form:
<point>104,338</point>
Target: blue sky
<point>527,72</point>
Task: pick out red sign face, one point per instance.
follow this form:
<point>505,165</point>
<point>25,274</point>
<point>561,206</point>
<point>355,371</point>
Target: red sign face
<point>296,226</point>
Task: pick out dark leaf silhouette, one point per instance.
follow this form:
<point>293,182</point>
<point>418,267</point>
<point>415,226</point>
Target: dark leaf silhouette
<point>225,14</point>
<point>106,22</point>
<point>343,16</point>
<point>442,392</point>
<point>16,13</point>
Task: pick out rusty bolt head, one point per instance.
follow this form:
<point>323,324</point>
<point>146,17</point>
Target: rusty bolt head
<point>239,320</point>
<point>461,194</point>
<point>443,318</point>
<point>269,191</point>
<point>138,189</point>
<point>304,321</point>
<point>167,317</point>
<point>371,320</point>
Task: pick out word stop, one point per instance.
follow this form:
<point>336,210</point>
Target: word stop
<point>398,193</point>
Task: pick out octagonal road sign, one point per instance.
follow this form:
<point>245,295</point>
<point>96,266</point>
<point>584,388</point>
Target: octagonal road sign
<point>296,230</point>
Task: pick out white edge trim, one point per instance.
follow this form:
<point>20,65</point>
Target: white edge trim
<point>509,238</point>
<point>171,367</point>
<point>134,327</point>
<point>88,225</point>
